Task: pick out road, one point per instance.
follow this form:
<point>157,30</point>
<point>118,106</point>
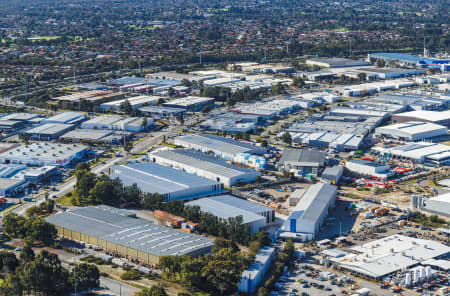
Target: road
<point>114,287</point>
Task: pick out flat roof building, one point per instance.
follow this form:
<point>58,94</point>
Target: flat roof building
<point>162,111</point>
<point>190,103</point>
<point>204,165</point>
<point>117,231</point>
<point>336,62</point>
<point>439,204</point>
<point>411,131</point>
<point>227,206</point>
<point>23,117</point>
<point>66,118</point>
<point>8,187</point>
<point>311,211</point>
<point>437,117</point>
<point>368,168</point>
<point>302,161</point>
<point>94,136</point>
<point>9,126</point>
<point>49,131</point>
<point>40,154</point>
<point>116,122</point>
<point>169,182</point>
<point>135,102</point>
<point>388,255</point>
<point>420,152</point>
<point>333,174</point>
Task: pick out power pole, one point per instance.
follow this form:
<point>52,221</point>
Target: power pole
<point>75,275</point>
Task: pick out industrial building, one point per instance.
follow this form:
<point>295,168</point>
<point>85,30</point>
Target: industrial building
<point>231,122</point>
<point>116,122</point>
<point>94,136</point>
<point>9,126</point>
<point>332,175</point>
<point>411,131</point>
<point>269,109</point>
<point>120,232</point>
<point>226,148</point>
<point>190,103</point>
<point>227,206</point>
<point>410,60</point>
<point>302,161</point>
<point>9,187</point>
<point>420,152</point>
<point>336,62</point>
<point>97,96</point>
<point>362,113</point>
<point>438,205</point>
<point>311,211</point>
<point>135,102</point>
<point>437,117</point>
<point>49,131</point>
<point>40,154</point>
<point>386,256</point>
<point>251,277</point>
<point>162,111</point>
<point>368,168</point>
<point>391,73</point>
<point>66,118</point>
<point>204,165</point>
<point>22,117</point>
<point>169,182</point>
<point>340,142</point>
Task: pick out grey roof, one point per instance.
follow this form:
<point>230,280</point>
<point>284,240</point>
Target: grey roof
<point>205,162</point>
<point>66,117</point>
<point>225,210</point>
<point>156,178</point>
<point>314,202</point>
<point>161,110</point>
<point>20,116</point>
<point>7,122</point>
<point>116,226</point>
<point>6,183</point>
<point>241,203</point>
<point>217,143</point>
<point>367,163</point>
<point>50,128</point>
<point>87,134</point>
<point>303,157</point>
<point>332,172</point>
<point>340,62</point>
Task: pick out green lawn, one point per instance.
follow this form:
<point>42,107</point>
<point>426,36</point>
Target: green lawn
<point>65,200</point>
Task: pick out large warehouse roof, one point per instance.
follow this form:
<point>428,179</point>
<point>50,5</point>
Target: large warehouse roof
<point>305,157</point>
<point>50,128</point>
<point>115,226</point>
<point>155,178</point>
<point>385,256</point>
<point>314,201</point>
<point>217,143</point>
<point>225,210</point>
<point>204,162</point>
<point>433,116</point>
<point>66,117</point>
<point>241,203</point>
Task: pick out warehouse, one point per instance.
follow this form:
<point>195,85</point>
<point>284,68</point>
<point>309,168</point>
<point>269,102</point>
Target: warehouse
<point>135,102</point>
<point>302,161</point>
<point>251,277</point>
<point>332,175</point>
<point>362,113</point>
<point>162,111</point>
<point>311,211</point>
<point>9,126</point>
<point>116,122</point>
<point>249,206</point>
<point>66,118</point>
<point>368,168</point>
<point>40,154</point>
<point>9,187</point>
<point>268,109</point>
<point>94,136</point>
<point>410,60</point>
<point>391,73</point>
<point>439,204</point>
<point>222,147</point>
<point>442,117</point>
<point>340,142</point>
<point>233,207</point>
<point>190,103</point>
<point>420,152</point>
<point>49,131</point>
<point>411,131</point>
<point>23,117</point>
<point>205,166</point>
<point>382,257</point>
<point>336,62</point>
<point>171,183</point>
<point>97,96</point>
<point>119,232</point>
<point>229,124</point>
<point>37,174</point>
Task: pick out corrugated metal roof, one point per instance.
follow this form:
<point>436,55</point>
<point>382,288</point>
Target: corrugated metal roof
<point>241,203</point>
<point>115,226</point>
<point>309,156</point>
<point>314,201</point>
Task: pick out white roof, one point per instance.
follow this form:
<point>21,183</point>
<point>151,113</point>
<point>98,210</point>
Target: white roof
<point>442,198</point>
<point>427,115</point>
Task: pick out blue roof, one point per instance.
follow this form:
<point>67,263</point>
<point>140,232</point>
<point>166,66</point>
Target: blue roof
<point>409,58</point>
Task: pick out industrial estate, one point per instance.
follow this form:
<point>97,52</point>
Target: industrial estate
<point>158,164</point>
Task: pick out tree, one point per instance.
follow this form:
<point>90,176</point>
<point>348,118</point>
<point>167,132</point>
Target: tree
<point>126,107</point>
<point>153,291</point>
<point>25,138</point>
<point>8,262</point>
<point>298,82</point>
<point>27,254</point>
<point>286,138</point>
<point>85,276</point>
<point>144,123</point>
<point>14,225</point>
<point>362,76</point>
<point>38,229</point>
<point>128,146</point>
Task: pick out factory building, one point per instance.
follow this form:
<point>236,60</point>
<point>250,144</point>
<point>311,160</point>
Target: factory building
<point>120,232</point>
<point>251,278</point>
<point>162,111</point>
<point>135,102</point>
<point>231,123</point>
<point>438,205</point>
<point>391,73</point>
<point>411,131</point>
<point>40,154</point>
<point>95,96</point>
<point>49,131</point>
<point>420,152</point>
<point>436,117</point>
<point>94,136</point>
<point>190,103</point>
<point>336,62</point>
<point>66,118</point>
<point>332,175</point>
<point>227,206</point>
<point>9,187</point>
<point>362,167</point>
<point>9,126</point>
<point>236,151</point>
<point>269,109</point>
<point>311,211</point>
<point>302,161</point>
<point>386,256</point>
<point>205,166</point>
<point>410,60</point>
<point>361,113</point>
<point>171,183</point>
<point>115,122</point>
<point>23,117</point>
